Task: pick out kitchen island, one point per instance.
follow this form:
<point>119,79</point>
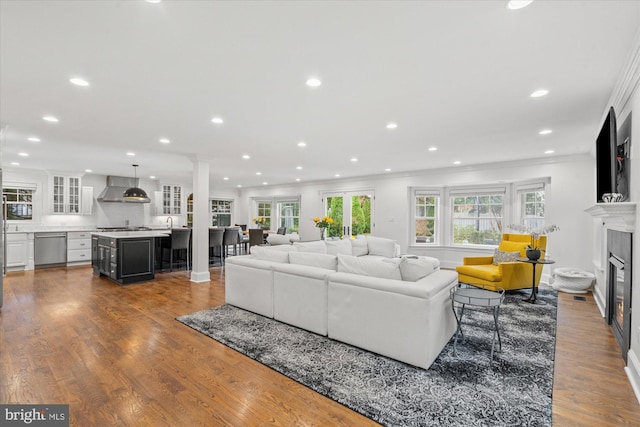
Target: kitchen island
<point>126,256</point>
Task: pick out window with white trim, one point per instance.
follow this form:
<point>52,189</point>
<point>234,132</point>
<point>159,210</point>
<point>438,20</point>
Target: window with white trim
<point>263,213</point>
<point>477,216</point>
<point>531,204</point>
<point>19,203</point>
<point>425,215</point>
<point>289,215</point>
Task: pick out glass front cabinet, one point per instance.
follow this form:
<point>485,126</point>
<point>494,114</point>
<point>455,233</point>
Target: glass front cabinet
<point>65,194</point>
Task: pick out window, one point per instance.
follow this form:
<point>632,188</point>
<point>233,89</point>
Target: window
<point>289,215</point>
<point>264,211</point>
<point>531,203</point>
<point>221,213</point>
<point>477,218</point>
<point>426,207</point>
<point>19,203</point>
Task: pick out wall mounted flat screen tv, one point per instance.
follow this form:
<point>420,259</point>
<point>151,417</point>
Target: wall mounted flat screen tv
<point>606,147</point>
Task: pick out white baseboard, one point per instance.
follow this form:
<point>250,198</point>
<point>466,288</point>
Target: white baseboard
<point>633,372</point>
<point>600,300</point>
<point>200,276</point>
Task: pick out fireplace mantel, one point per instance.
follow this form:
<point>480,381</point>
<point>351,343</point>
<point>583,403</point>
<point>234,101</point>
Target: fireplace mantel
<point>617,216</point>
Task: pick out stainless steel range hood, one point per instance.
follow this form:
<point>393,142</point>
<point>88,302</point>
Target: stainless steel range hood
<point>116,186</point>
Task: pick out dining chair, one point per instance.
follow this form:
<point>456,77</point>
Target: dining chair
<point>256,237</point>
<point>216,241</point>
<point>282,230</point>
<point>231,238</point>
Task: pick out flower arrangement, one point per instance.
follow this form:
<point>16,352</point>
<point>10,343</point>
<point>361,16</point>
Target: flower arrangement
<point>323,222</point>
<point>534,233</point>
<point>260,220</point>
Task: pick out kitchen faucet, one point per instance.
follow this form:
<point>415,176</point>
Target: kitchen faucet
<point>170,221</point>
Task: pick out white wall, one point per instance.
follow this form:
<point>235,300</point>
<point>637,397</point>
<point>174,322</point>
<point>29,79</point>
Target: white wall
<point>572,189</point>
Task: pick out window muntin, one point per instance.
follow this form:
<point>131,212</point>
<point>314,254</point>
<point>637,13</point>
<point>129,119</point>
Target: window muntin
<point>19,203</point>
<point>477,218</point>
<point>531,209</point>
<point>263,209</point>
<point>289,215</point>
<point>426,207</point>
<point>221,211</point>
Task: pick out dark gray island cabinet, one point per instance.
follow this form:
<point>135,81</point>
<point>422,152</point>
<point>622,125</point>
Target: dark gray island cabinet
<point>125,257</point>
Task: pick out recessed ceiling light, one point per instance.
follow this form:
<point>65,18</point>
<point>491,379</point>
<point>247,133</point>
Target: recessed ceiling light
<point>265,183</point>
<point>33,139</point>
<point>239,185</point>
<point>387,170</point>
<point>23,154</point>
<point>337,175</point>
<point>226,178</point>
<point>130,153</point>
<point>313,82</point>
<point>392,125</point>
<point>457,162</point>
<point>154,1</point>
<point>258,173</point>
<point>354,159</point>
<point>152,177</point>
<point>164,140</point>
<point>50,119</point>
<point>79,81</point>
<point>545,132</point>
<point>246,156</point>
<point>549,152</point>
<point>302,144</point>
<point>88,170</point>
<point>518,4</point>
<point>297,179</point>
<point>15,164</point>
<point>217,120</point>
<point>433,148</point>
<point>299,168</point>
<point>538,93</point>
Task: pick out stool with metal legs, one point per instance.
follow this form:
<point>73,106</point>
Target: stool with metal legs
<point>481,297</point>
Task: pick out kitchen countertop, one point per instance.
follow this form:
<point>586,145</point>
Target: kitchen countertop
<point>132,234</point>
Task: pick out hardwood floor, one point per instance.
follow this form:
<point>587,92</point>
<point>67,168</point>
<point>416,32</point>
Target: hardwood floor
<point>118,357</point>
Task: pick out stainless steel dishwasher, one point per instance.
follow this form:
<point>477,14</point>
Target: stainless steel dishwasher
<point>50,249</point>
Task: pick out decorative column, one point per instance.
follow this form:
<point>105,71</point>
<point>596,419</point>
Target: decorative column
<point>201,221</point>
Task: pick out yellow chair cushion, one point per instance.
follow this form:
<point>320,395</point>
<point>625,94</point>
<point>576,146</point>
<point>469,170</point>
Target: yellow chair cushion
<point>507,246</point>
<point>488,272</point>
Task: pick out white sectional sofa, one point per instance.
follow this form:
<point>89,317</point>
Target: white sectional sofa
<point>360,292</point>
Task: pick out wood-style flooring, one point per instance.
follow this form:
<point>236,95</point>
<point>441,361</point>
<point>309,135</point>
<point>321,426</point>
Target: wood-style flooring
<point>116,355</point>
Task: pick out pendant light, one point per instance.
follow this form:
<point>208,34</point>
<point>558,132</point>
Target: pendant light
<point>135,194</point>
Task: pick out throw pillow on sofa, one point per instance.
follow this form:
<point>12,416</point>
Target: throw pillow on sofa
<point>273,253</point>
<point>330,262</point>
<point>359,246</point>
<point>386,269</point>
<point>414,268</point>
<point>381,247</point>
<point>335,247</point>
<point>316,247</point>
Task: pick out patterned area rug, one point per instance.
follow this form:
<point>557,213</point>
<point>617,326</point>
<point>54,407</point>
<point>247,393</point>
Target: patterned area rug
<point>465,389</point>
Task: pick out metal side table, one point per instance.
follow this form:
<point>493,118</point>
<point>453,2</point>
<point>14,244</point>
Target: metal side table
<point>480,298</point>
<point>533,298</point>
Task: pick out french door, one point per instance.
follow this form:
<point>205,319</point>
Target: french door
<point>352,213</point>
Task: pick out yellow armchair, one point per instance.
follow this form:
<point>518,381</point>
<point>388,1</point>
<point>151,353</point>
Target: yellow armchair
<point>507,275</point>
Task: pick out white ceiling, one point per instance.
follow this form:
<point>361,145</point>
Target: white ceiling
<point>452,74</point>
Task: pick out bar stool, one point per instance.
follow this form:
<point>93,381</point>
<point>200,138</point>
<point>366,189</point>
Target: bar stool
<point>216,241</point>
<point>180,241</point>
<point>231,238</point>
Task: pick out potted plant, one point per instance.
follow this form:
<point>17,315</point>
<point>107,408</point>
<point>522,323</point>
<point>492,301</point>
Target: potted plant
<point>533,250</point>
<point>260,221</point>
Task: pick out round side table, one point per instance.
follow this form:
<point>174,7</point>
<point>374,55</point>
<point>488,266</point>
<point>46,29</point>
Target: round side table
<point>533,298</point>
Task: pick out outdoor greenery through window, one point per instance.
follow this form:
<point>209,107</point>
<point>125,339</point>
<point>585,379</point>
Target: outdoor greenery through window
<point>19,203</point>
<point>477,219</point>
<point>289,216</point>
<point>360,215</point>
<point>532,209</point>
<point>221,213</point>
<point>425,214</point>
<point>264,211</point>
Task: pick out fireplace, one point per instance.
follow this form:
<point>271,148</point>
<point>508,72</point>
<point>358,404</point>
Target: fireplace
<point>619,287</point>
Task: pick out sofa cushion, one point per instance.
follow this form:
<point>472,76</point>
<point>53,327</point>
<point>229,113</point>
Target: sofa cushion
<point>381,246</point>
<point>335,247</point>
<point>501,256</point>
<point>414,268</point>
<point>488,272</point>
<point>359,246</point>
<point>271,254</point>
<point>278,239</point>
<point>330,262</point>
<point>387,269</point>
<point>318,246</point>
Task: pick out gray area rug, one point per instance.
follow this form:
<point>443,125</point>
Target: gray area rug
<point>465,389</point>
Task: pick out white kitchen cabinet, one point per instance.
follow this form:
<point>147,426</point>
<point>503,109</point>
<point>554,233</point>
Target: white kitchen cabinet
<point>17,250</point>
<point>86,202</point>
<point>65,194</point>
<point>170,200</point>
<point>78,247</point>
